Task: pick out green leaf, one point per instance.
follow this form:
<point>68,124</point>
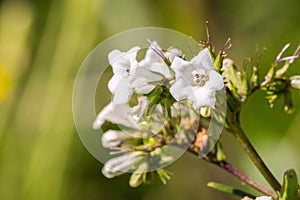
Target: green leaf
<point>230,190</point>
<point>289,190</point>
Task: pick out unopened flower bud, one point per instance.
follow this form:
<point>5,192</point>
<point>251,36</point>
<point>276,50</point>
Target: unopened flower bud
<point>295,82</point>
<point>205,111</point>
<point>227,62</point>
<point>122,164</point>
<point>113,138</point>
<point>136,178</point>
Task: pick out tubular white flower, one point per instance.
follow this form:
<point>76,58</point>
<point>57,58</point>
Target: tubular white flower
<point>155,58</point>
<point>115,113</point>
<point>113,138</point>
<point>151,69</point>
<point>196,80</point>
<point>122,114</point>
<point>129,75</point>
<point>122,164</point>
<point>123,63</point>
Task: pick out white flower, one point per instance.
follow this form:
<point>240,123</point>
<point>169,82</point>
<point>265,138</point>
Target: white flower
<point>155,54</point>
<point>151,69</point>
<point>122,114</point>
<point>172,53</point>
<point>113,138</point>
<point>263,198</point>
<point>196,80</point>
<point>123,63</point>
<point>122,164</point>
<point>129,75</point>
<point>115,113</point>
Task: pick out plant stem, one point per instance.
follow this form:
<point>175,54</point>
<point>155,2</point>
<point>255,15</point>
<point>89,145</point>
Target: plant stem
<point>256,159</point>
<point>230,169</point>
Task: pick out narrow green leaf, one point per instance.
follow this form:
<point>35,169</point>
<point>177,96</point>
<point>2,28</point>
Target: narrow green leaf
<point>289,190</point>
<point>230,190</point>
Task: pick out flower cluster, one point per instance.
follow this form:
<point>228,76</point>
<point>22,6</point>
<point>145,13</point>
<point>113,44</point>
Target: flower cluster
<point>150,108</point>
<point>158,98</point>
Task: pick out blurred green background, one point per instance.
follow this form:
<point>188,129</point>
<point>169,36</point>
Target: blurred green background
<point>42,44</point>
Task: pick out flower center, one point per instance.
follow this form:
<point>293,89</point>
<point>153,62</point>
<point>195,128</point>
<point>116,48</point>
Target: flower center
<point>200,77</point>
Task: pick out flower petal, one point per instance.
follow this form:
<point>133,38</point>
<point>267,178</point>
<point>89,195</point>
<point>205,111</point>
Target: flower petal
<point>202,97</point>
<point>113,83</point>
<point>122,91</point>
<point>121,62</point>
<point>114,54</point>
<point>144,73</point>
<point>203,60</point>
<point>160,68</point>
<point>144,89</point>
<point>103,116</point>
<point>140,77</point>
<point>113,113</point>
<point>172,53</point>
<point>122,164</point>
<point>117,114</point>
<point>183,69</point>
<point>181,89</point>
<point>132,54</point>
<point>152,56</point>
<point>215,81</point>
<point>113,138</point>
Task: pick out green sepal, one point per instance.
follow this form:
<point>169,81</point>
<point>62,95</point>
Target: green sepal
<point>274,90</point>
<point>254,77</point>
<point>164,175</point>
<point>237,81</point>
<point>148,177</point>
<point>271,74</point>
<point>219,60</point>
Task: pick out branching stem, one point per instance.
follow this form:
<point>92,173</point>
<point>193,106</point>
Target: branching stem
<point>232,170</point>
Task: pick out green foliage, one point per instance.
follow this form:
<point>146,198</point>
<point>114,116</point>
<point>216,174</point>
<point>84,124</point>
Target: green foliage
<point>230,190</point>
<point>290,187</point>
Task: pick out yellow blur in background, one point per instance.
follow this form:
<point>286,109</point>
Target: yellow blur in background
<point>43,43</point>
